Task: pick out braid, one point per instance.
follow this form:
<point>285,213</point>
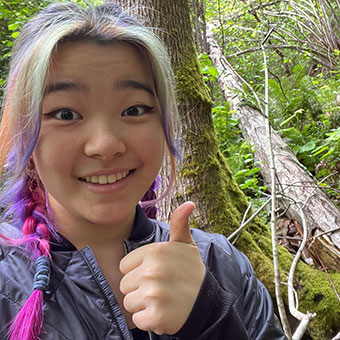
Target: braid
<point>36,236</point>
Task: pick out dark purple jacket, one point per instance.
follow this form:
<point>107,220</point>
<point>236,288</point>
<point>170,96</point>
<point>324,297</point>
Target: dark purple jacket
<point>232,304</point>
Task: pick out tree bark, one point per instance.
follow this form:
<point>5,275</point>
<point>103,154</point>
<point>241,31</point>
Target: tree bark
<point>203,175</point>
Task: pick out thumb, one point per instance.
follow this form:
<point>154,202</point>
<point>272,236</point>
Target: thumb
<point>179,223</point>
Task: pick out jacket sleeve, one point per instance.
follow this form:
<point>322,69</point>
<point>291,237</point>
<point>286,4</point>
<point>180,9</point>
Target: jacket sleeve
<point>232,302</point>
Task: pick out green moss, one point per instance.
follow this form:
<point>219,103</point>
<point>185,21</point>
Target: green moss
<point>190,170</point>
<point>315,292</point>
<point>195,223</point>
<point>263,266</point>
<point>317,295</point>
<point>205,167</point>
<point>205,173</point>
<point>188,191</point>
<point>189,79</point>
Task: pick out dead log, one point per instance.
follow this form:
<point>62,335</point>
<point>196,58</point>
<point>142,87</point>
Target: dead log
<point>295,187</point>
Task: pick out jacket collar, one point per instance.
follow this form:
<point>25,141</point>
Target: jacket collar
<point>142,233</point>
<point>142,226</point>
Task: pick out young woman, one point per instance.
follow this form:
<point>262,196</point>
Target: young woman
<point>87,121</point>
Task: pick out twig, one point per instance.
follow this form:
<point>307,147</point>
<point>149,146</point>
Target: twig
<point>237,232</point>
<point>311,193</point>
<point>292,302</point>
<point>289,238</point>
<point>280,84</point>
<point>261,6</point>
<point>324,269</point>
<point>328,231</point>
<point>246,213</point>
<point>279,299</point>
<point>240,228</point>
<point>269,47</point>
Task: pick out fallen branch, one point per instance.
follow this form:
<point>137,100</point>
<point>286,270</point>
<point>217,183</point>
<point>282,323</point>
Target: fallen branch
<point>232,83</point>
<point>321,213</point>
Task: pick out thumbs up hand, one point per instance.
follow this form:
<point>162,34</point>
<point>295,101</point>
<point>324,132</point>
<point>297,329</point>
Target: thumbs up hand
<point>179,224</point>
<point>161,280</point>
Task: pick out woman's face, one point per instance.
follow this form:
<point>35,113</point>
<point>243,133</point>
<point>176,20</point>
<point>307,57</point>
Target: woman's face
<point>101,142</point>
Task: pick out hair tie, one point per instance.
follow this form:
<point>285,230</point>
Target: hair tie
<point>42,273</point>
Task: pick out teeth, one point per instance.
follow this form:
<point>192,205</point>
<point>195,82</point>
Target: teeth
<point>103,179</point>
<point>111,179</point>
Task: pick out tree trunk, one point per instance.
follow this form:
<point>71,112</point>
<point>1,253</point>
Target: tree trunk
<point>203,175</point>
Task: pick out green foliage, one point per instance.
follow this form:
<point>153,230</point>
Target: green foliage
<point>308,116</point>
<point>13,14</point>
<point>207,69</point>
<point>239,153</point>
<point>330,148</point>
<point>304,87</point>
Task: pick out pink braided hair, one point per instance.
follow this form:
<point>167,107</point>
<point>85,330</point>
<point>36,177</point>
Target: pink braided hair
<point>28,322</point>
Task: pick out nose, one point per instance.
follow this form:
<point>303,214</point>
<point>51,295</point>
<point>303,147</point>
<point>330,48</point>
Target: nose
<point>104,141</point>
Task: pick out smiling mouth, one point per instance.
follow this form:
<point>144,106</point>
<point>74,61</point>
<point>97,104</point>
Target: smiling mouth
<point>105,179</point>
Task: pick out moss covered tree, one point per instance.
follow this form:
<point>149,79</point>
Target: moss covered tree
<point>204,176</point>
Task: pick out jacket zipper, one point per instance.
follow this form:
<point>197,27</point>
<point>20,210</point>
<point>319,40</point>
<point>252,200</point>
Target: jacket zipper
<point>126,252</point>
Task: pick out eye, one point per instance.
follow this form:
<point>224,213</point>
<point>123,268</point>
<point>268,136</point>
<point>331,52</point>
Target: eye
<point>136,110</point>
<point>66,114</point>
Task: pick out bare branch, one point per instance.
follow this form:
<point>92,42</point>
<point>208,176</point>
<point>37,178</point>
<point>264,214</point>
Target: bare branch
<point>317,23</point>
<point>279,298</point>
<point>300,49</point>
<point>237,232</point>
<point>324,269</point>
<point>261,6</point>
<point>292,302</point>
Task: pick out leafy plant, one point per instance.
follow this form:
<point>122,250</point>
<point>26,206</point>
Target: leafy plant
<point>13,14</point>
<point>239,154</point>
<point>304,86</point>
<point>207,69</point>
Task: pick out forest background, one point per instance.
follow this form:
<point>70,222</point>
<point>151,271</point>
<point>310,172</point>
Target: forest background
<point>303,67</point>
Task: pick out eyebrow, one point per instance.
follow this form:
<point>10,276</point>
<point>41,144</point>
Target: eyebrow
<point>122,84</point>
<point>65,86</point>
<point>134,84</point>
